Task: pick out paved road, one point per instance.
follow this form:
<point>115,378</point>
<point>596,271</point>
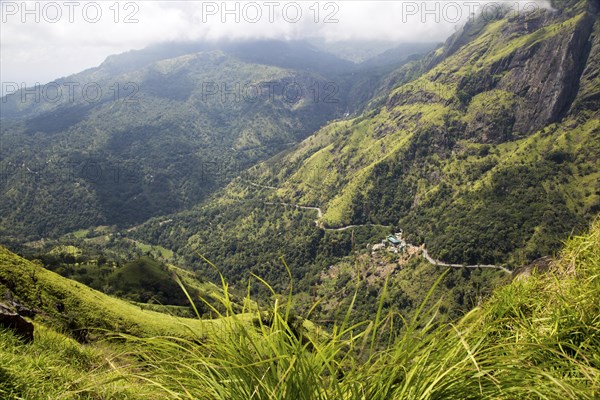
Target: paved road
<point>425,253</point>
<point>317,209</point>
<point>343,228</point>
<point>443,264</point>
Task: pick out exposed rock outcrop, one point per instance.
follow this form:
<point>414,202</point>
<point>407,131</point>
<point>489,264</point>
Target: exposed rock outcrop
<point>545,76</point>
<point>541,265</point>
<point>541,76</point>
<point>588,97</point>
<point>11,320</point>
<point>515,74</point>
<point>17,306</point>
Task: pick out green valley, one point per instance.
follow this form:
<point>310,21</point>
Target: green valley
<point>424,162</point>
<point>523,342</point>
<point>310,216</point>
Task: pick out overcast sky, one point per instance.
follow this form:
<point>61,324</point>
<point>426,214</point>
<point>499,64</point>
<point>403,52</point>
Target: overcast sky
<point>44,40</point>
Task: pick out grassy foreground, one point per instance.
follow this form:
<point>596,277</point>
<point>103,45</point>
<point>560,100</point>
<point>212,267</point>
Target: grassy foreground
<point>80,311</point>
<point>537,338</point>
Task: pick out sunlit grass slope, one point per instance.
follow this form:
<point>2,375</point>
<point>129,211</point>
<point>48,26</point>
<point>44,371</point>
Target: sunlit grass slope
<point>537,338</point>
<point>56,367</point>
<point>77,309</point>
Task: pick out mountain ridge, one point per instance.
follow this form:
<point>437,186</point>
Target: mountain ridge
<point>453,154</point>
<point>202,117</point>
<point>457,149</point>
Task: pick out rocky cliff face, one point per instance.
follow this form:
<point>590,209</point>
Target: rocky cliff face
<point>588,94</point>
<point>524,69</point>
<point>545,75</point>
<point>489,150</point>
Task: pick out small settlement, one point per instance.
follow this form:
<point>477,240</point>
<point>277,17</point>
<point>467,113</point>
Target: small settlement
<point>393,243</point>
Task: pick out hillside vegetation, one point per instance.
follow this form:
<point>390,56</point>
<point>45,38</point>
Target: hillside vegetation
<point>82,312</point>
<point>536,338</point>
<point>463,154</point>
<point>171,125</point>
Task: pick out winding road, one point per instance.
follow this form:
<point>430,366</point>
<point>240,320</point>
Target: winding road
<point>426,255</point>
<point>343,228</point>
<point>317,209</point>
<point>443,264</point>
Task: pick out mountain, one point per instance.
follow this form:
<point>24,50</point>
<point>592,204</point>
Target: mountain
<point>155,131</point>
<point>486,151</point>
<point>402,242</point>
<point>490,153</point>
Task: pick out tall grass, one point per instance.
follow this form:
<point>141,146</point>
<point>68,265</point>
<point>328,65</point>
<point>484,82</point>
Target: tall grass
<point>58,368</point>
<point>538,338</point>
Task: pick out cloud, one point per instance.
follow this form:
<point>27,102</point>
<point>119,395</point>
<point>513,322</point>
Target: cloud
<point>42,41</point>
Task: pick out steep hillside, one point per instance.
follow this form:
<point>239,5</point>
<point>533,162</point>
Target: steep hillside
<point>73,355</point>
<point>83,313</point>
<point>488,154</point>
<point>155,131</point>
